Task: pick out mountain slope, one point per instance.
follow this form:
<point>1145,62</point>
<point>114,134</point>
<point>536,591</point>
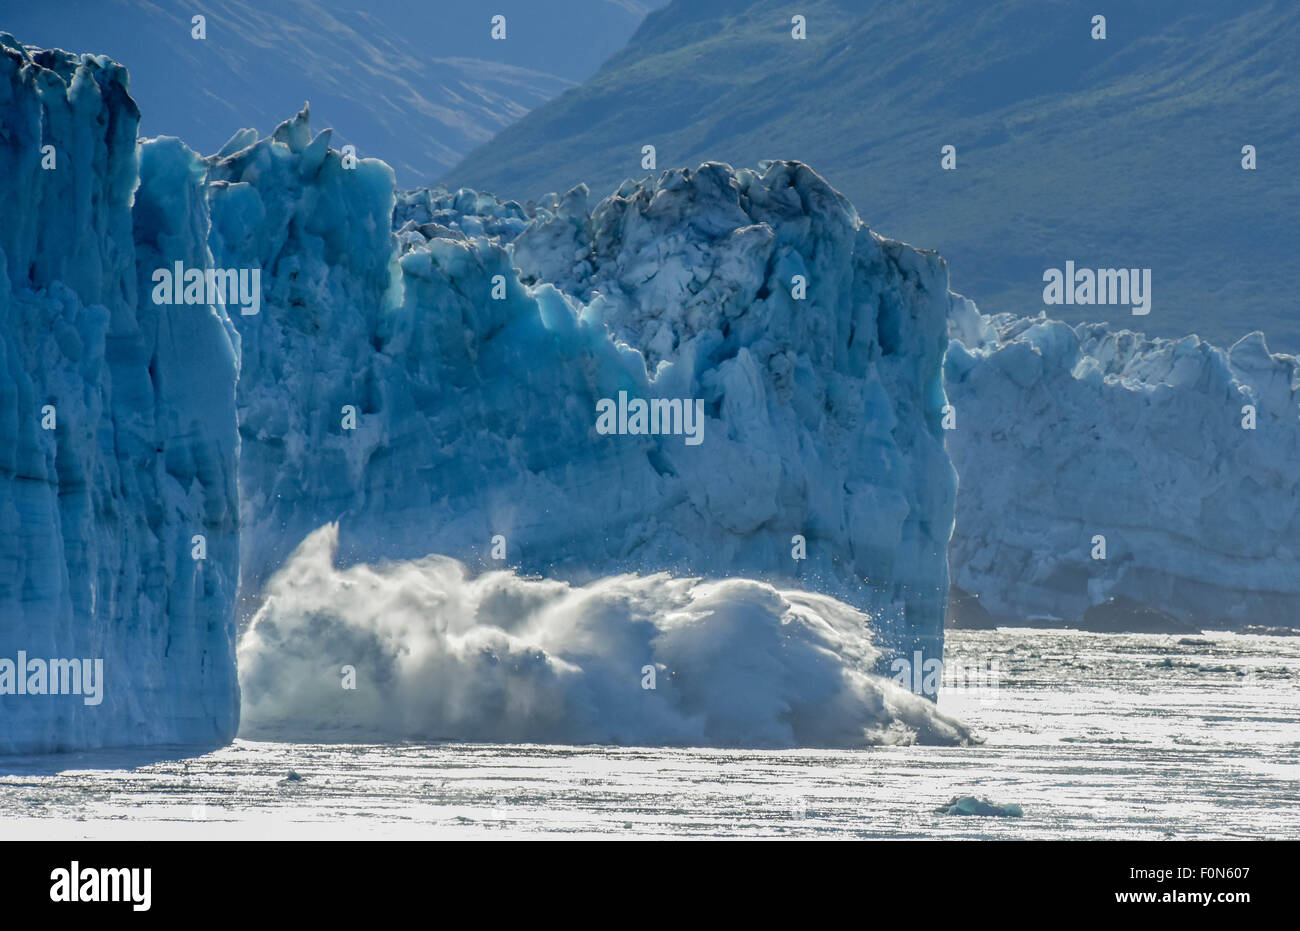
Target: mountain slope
<point>1123,152</point>
<point>418,85</point>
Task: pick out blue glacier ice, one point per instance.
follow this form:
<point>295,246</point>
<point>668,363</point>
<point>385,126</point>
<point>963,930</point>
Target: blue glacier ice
<point>419,387</point>
<point>1067,433</point>
<point>118,441</point>
<point>473,431</point>
<point>476,417</point>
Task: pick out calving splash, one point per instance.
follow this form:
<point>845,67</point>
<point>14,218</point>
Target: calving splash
<point>423,649</point>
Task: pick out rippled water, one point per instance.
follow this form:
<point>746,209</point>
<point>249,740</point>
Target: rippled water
<point>1094,736</point>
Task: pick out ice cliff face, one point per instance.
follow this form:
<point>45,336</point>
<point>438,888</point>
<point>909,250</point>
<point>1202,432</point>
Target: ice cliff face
<point>118,438</point>
<point>1067,434</point>
<point>322,238</point>
<point>474,388</point>
<point>838,387</point>
<point>476,354</point>
<point>711,374</point>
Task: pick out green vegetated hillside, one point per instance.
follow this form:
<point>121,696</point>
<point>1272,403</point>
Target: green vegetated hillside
<point>1123,152</point>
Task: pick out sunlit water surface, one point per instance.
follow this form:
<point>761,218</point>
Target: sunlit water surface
<point>1094,736</point>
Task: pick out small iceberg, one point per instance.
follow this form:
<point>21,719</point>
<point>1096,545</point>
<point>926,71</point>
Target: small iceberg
<point>970,805</point>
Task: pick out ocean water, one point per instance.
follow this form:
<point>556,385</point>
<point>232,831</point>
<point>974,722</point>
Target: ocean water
<point>1092,735</point>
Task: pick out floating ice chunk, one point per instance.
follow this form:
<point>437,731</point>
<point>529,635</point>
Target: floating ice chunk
<point>970,805</point>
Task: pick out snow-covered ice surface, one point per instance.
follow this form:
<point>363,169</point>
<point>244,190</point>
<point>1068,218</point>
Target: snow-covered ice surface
<point>1093,735</point>
<point>476,417</point>
<point>1064,433</point>
<point>117,421</point>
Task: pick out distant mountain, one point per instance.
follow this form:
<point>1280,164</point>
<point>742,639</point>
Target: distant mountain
<point>1122,152</point>
<point>417,84</point>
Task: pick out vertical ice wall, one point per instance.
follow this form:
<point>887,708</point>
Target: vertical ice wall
<point>118,439</point>
<point>1099,463</point>
<point>816,337</point>
<point>416,390</point>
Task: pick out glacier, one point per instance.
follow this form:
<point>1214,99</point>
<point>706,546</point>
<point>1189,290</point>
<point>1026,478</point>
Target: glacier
<point>1181,454</point>
<point>473,418</point>
<point>118,431</point>
<point>395,463</point>
<point>426,388</point>
<point>433,389</point>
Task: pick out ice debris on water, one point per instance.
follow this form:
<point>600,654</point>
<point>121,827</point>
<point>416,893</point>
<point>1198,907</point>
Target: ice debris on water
<point>970,805</point>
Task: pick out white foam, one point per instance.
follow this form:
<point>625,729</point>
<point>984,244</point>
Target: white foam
<point>442,653</point>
